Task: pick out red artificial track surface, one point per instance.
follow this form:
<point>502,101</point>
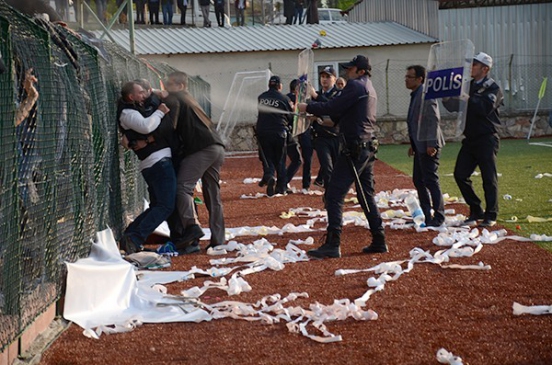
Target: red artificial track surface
<point>467,312</point>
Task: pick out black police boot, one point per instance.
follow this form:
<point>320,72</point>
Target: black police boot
<point>330,248</point>
<point>378,244</point>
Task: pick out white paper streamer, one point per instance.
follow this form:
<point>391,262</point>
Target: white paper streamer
<point>445,357</point>
<point>534,309</point>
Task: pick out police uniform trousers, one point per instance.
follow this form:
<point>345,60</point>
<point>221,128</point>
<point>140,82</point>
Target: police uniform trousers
<point>426,181</point>
<point>294,158</point>
<point>274,148</point>
<point>305,141</point>
<point>205,165</point>
<point>341,180</point>
<point>480,151</point>
<point>327,150</point>
<point>300,156</point>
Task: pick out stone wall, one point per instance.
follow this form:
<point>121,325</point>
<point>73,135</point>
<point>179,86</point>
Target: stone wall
<point>393,130</point>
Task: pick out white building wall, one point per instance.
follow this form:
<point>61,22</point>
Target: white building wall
<point>388,68</point>
<point>518,37</point>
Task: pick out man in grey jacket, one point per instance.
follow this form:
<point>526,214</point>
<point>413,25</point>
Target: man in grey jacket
<point>426,142</point>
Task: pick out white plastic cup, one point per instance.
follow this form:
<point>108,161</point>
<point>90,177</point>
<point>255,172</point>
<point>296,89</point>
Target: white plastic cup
<point>415,211</point>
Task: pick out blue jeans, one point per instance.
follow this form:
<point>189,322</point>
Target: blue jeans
<point>161,181</point>
<point>167,13</point>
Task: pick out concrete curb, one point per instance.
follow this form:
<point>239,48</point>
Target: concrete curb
<point>33,355</point>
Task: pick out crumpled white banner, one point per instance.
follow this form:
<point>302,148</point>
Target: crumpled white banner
<point>146,300</point>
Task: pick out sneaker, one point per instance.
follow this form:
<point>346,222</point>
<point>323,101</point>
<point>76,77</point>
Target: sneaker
<point>289,190</point>
<point>189,249</point>
<point>434,223</point>
<point>128,246</point>
<point>167,249</point>
<point>213,245</point>
<point>487,223</point>
<point>271,185</point>
<point>472,219</point>
<point>318,183</point>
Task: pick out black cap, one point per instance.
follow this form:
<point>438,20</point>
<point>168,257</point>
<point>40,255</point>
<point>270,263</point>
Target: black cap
<point>274,81</point>
<point>328,70</point>
<point>360,62</point>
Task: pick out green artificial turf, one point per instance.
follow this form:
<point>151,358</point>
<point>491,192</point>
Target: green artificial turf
<point>518,164</point>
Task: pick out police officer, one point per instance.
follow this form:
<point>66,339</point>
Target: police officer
<point>324,131</point>
<point>275,116</point>
<point>426,142</point>
<point>480,147</point>
<point>354,110</point>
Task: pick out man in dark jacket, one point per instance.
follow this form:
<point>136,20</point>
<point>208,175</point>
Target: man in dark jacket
<point>354,110</point>
<point>275,116</point>
<point>201,157</point>
<point>426,142</point>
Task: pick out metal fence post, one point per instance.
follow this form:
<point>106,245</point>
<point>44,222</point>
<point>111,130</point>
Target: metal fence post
<point>387,87</point>
<point>510,81</point>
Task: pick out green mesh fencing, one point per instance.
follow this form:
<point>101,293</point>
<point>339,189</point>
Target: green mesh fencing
<point>63,174</point>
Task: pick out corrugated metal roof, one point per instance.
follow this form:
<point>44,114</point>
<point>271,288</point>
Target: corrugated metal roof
<point>420,15</point>
<point>267,38</point>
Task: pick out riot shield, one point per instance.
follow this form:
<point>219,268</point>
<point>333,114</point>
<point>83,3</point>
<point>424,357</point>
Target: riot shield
<point>305,66</point>
<point>241,103</point>
<point>448,82</point>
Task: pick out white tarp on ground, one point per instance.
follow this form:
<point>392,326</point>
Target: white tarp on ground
<point>103,294</point>
<point>103,289</point>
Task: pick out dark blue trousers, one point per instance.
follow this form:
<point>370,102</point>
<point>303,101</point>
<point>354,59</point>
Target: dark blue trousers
<point>341,180</point>
<point>482,152</point>
<point>426,181</point>
<point>327,150</point>
<point>274,149</point>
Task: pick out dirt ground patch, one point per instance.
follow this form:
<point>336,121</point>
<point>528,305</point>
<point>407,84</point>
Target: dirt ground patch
<point>467,312</point>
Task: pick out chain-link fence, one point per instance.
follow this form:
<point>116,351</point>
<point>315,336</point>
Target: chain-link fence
<point>63,174</point>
